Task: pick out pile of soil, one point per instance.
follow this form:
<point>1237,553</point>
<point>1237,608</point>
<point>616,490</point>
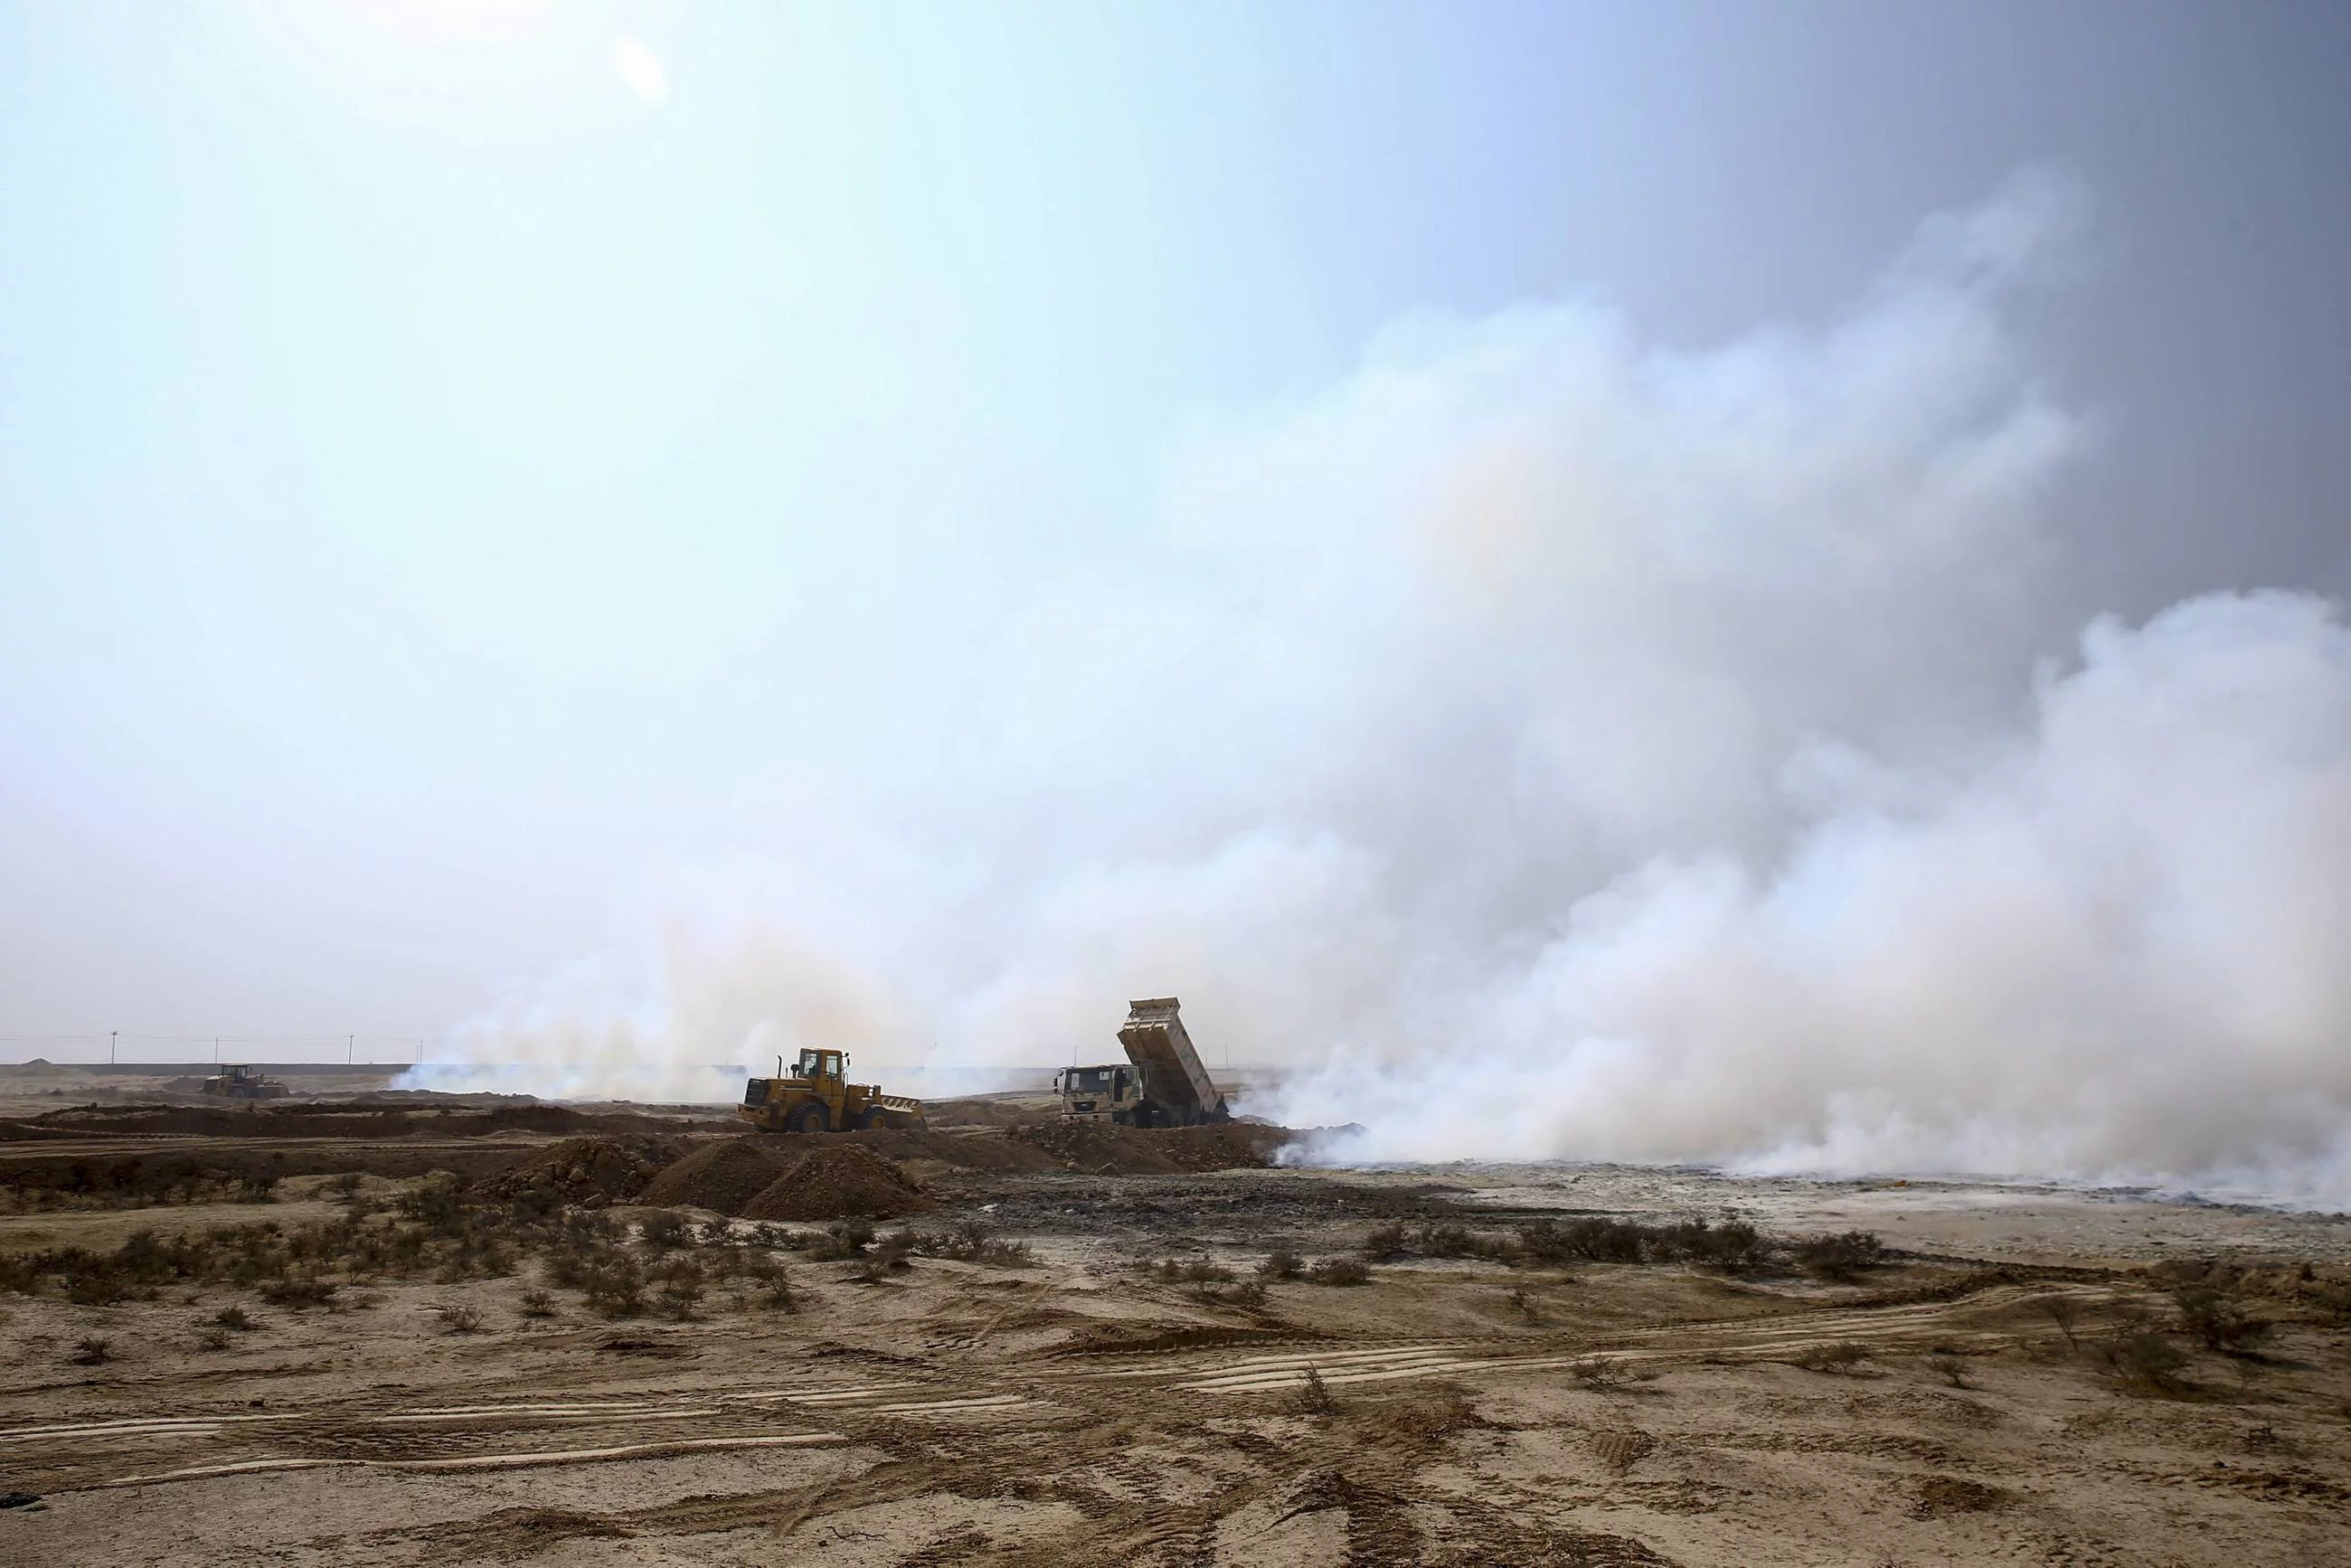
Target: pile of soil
<point>370,1119</point>
<point>976,1150</point>
<point>721,1176</point>
<point>590,1172</point>
<point>1104,1148</point>
<point>839,1180</point>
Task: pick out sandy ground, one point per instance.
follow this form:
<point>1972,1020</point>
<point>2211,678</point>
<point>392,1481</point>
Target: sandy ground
<point>1082,1409</point>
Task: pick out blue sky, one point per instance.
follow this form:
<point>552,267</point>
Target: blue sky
<point>460,463</point>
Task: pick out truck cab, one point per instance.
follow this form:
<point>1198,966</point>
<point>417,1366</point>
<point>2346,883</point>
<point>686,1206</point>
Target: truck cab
<point>1109,1093</point>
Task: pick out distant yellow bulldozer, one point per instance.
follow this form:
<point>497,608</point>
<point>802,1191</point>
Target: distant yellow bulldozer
<point>815,1097</point>
<point>244,1083</point>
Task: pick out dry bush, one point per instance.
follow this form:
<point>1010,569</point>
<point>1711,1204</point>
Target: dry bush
<point>1950,1366</point>
<point>1249,1295</point>
<point>1314,1394</point>
<point>212,1338</point>
<point>680,1288</point>
<point>879,1261</point>
<point>235,1318</point>
<point>1281,1264</point>
<point>2143,1360</point>
<point>1189,1272</point>
<point>93,1351</point>
<point>1603,1373</point>
<point>298,1290</point>
<point>1338,1271</point>
<point>1845,1357</point>
<point>537,1304</point>
<point>456,1317</point>
<point>2218,1320</point>
<point>1524,1304</point>
<point>2065,1310</point>
<point>1842,1256</point>
<point>841,1238</point>
<point>974,1241</point>
<point>1384,1242</point>
<point>662,1230</point>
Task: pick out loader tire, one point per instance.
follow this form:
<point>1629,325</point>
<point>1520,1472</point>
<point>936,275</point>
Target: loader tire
<point>811,1118</point>
<point>874,1119</point>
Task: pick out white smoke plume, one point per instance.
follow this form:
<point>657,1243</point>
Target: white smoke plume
<point>1549,745</point>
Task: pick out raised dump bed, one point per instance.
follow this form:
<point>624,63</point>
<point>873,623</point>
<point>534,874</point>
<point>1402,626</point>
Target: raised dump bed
<point>1177,1087</point>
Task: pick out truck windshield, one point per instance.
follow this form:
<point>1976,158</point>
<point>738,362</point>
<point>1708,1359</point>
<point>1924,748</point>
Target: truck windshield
<point>1089,1079</point>
<point>812,1064</point>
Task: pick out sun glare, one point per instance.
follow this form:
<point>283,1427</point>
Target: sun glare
<point>640,69</point>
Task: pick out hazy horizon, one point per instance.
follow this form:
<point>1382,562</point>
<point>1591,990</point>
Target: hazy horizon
<point>1762,584</point>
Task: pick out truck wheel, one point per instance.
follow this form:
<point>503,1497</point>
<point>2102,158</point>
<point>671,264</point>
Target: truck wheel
<point>874,1118</point>
<point>808,1118</point>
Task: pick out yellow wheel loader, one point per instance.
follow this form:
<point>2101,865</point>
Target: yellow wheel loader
<point>816,1097</point>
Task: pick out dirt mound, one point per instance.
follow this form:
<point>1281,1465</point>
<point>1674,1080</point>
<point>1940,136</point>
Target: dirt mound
<point>590,1172</point>
<point>1105,1149</point>
<point>721,1176</point>
<point>838,1181</point>
<point>978,1150</point>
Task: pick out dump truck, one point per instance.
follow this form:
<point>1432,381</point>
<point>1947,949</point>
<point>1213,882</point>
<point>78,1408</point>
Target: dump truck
<point>1160,1084</point>
<point>816,1097</point>
<point>244,1083</point>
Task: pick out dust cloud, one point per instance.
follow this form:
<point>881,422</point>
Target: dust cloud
<point>1546,743</point>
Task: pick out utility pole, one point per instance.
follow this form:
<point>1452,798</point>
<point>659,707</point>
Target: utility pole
<point>112,1036</point>
<point>350,1048</point>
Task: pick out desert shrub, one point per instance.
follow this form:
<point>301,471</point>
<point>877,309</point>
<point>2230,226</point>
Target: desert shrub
<point>775,1287</point>
<point>537,1304</point>
<point>682,1288</point>
<point>1314,1394</point>
<point>1522,1303</point>
<point>436,1203</point>
<point>1845,1355</point>
<point>1590,1238</point>
<point>1842,1256</point>
<point>2065,1310</point>
<point>1338,1271</point>
<point>2218,1319</point>
<point>1281,1264</point>
<point>456,1317</point>
<point>973,1241</point>
<point>345,1187</point>
<point>2143,1359</point>
<point>662,1230</point>
<point>615,1287</point>
<point>878,1262</point>
<point>213,1337</point>
<point>93,1351</point>
<point>1602,1373</point>
<point>1384,1242</point>
<point>1190,1272</point>
<point>1950,1366</point>
<point>841,1238</point>
<point>302,1290</point>
<point>235,1318</point>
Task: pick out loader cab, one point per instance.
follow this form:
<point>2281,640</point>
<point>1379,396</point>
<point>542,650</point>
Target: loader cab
<point>820,1070</point>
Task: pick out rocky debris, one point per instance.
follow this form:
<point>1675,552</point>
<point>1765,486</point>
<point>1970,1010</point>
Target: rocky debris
<point>721,1176</point>
<point>840,1180</point>
<point>1104,1148</point>
<point>590,1172</point>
